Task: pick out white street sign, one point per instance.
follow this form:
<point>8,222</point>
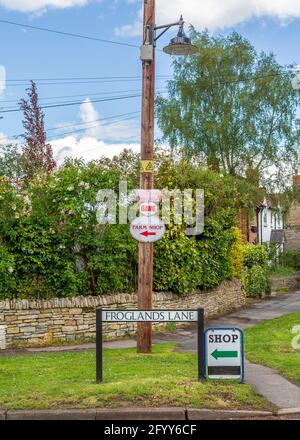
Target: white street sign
<point>149,316</point>
<point>224,353</point>
<point>147,229</point>
<point>148,208</point>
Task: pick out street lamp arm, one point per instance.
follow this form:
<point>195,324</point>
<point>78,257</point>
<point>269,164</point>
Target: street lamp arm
<point>163,26</point>
<point>166,27</point>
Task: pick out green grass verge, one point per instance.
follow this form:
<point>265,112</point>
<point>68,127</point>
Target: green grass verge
<point>67,380</point>
<point>270,344</point>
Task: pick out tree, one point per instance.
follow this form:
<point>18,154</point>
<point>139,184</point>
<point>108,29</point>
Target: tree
<point>11,162</point>
<point>38,154</point>
<point>234,107</point>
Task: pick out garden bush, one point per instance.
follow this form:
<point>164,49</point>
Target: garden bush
<point>256,281</point>
<point>51,244</point>
<point>290,259</point>
<point>255,255</point>
<point>237,255</point>
<point>7,273</point>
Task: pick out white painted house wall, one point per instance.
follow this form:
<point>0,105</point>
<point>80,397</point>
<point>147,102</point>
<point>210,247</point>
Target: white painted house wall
<point>268,220</point>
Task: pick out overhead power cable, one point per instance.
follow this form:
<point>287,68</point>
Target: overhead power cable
<point>99,124</point>
<point>86,95</point>
<point>78,124</point>
<point>95,120</point>
<point>69,34</point>
<point>105,81</point>
<point>67,104</point>
<point>82,78</point>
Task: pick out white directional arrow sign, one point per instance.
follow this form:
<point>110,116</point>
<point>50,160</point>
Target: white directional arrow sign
<point>147,229</point>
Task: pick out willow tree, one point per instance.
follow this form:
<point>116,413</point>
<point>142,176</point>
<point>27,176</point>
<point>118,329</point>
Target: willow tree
<point>234,107</point>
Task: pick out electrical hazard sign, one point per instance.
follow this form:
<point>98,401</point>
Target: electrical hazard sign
<point>147,166</point>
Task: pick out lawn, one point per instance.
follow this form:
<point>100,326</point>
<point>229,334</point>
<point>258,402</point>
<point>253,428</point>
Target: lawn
<point>67,380</point>
<point>270,344</point>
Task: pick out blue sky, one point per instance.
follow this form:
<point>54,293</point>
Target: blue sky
<point>27,54</point>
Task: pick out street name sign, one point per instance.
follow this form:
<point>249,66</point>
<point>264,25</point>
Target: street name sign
<point>224,353</point>
<point>147,229</point>
<point>149,316</point>
<point>105,316</point>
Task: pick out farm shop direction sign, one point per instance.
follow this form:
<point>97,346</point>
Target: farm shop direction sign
<point>224,353</point>
<point>105,316</point>
<point>147,229</point>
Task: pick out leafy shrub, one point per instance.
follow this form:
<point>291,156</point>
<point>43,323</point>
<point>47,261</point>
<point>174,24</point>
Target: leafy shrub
<point>255,255</point>
<point>7,273</point>
<point>177,263</point>
<point>237,255</point>
<point>58,249</point>
<point>290,259</point>
<point>256,281</point>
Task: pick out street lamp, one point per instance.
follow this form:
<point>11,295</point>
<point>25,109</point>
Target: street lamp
<point>180,45</point>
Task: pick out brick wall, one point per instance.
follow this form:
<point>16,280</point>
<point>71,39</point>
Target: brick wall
<point>41,321</point>
<point>292,229</point>
<point>292,225</point>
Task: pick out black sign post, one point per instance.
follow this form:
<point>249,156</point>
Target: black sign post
<point>200,344</point>
<point>148,316</point>
<point>99,346</point>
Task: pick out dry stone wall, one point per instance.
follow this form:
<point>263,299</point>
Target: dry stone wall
<point>70,319</point>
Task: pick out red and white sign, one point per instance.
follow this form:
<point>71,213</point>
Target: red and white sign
<point>148,208</point>
<point>147,229</point>
<point>148,195</point>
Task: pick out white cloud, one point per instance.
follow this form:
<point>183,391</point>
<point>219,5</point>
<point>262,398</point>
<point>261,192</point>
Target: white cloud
<point>109,131</point>
<point>216,14</point>
<point>106,138</point>
<point>131,30</point>
<point>88,148</point>
<point>38,5</point>
<point>4,140</point>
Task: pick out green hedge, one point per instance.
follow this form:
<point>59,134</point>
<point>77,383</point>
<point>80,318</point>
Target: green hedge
<point>51,244</point>
<point>256,276</point>
<point>290,259</point>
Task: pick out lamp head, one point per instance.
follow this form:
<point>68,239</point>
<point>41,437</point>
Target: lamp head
<point>181,45</point>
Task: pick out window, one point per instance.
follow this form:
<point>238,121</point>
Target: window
<point>265,217</point>
<point>272,219</point>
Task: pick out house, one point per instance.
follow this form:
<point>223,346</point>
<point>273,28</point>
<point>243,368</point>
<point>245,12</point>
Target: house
<point>271,225</point>
<point>263,224</point>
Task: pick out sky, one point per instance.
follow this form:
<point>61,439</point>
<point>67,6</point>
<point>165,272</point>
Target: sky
<point>69,69</point>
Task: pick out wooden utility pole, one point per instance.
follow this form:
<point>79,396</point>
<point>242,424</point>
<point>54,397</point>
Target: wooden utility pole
<point>145,281</point>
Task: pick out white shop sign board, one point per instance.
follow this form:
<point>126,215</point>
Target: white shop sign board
<point>147,229</point>
<point>224,353</point>
<point>149,316</point>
